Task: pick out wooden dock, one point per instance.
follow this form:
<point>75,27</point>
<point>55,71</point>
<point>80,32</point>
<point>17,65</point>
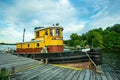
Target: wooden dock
<point>29,69</point>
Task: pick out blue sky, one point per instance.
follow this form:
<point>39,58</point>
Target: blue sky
<point>75,16</point>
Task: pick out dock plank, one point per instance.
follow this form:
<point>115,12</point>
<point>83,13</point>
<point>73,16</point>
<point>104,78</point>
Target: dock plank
<point>29,69</point>
<point>71,75</point>
<point>109,77</point>
<point>52,74</point>
<point>56,75</point>
<point>33,73</point>
<point>63,77</point>
<point>103,76</point>
<point>92,75</point>
<point>75,77</point>
<point>98,76</point>
<point>82,75</point>
<point>87,75</point>
<point>59,77</point>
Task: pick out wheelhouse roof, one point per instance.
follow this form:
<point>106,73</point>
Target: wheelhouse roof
<point>42,28</point>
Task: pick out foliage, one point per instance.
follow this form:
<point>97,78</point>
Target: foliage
<point>108,38</point>
<point>4,74</point>
<point>94,39</point>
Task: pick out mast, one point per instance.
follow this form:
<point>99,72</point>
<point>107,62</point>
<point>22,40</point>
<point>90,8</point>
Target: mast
<point>23,34</point>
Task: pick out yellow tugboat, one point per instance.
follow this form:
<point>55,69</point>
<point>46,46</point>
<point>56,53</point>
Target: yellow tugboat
<point>48,45</point>
<point>49,39</point>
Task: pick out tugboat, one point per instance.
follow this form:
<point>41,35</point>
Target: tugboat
<point>48,46</point>
<point>50,38</point>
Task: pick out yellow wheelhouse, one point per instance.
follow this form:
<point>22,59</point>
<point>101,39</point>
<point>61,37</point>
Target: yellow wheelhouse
<point>50,38</point>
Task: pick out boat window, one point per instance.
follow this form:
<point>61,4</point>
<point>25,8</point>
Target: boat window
<point>28,45</point>
<point>37,34</point>
<point>52,32</point>
<point>57,32</point>
<point>46,33</point>
<point>38,44</point>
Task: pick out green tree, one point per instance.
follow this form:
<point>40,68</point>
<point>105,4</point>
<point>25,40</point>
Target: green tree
<point>108,38</point>
<point>94,39</point>
<point>116,28</point>
<point>74,36</point>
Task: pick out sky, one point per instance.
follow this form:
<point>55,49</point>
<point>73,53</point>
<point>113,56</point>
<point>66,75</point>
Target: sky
<point>75,16</point>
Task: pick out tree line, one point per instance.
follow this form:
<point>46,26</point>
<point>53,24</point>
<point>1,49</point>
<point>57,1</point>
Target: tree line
<point>107,38</point>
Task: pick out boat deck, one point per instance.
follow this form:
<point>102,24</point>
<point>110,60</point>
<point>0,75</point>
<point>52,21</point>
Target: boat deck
<point>29,69</point>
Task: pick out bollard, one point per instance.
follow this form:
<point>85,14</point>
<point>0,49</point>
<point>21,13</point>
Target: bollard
<point>46,61</point>
<point>42,60</point>
<point>12,73</point>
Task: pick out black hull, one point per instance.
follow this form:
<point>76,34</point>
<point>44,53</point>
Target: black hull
<point>68,57</point>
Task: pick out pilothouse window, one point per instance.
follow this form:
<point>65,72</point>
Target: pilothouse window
<point>37,34</point>
<point>57,32</point>
<point>52,32</point>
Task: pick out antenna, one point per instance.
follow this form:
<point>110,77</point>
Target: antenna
<point>23,34</point>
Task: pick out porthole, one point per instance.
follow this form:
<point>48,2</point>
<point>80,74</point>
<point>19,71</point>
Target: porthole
<point>38,44</point>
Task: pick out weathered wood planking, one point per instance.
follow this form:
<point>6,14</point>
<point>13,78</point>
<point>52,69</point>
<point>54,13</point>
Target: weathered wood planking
<point>28,69</point>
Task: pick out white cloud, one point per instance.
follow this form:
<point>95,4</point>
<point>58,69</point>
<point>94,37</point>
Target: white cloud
<point>46,11</point>
<point>105,17</point>
<point>36,22</point>
<point>106,21</point>
<point>11,35</point>
<point>74,28</point>
<point>31,13</point>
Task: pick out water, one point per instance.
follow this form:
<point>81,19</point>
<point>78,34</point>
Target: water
<point>111,61</point>
<point>5,47</point>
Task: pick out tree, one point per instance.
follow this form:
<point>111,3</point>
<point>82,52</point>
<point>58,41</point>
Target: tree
<point>108,38</point>
<point>111,39</point>
<point>116,28</point>
<point>74,36</point>
<point>94,39</point>
<point>97,40</point>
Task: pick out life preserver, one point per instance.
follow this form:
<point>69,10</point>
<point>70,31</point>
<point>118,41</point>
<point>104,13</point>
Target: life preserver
<point>96,55</point>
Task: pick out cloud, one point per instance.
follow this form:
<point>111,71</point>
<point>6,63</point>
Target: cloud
<point>11,35</point>
<point>74,28</point>
<point>29,14</point>
<point>47,11</point>
<point>105,21</point>
<point>76,16</point>
<point>107,16</point>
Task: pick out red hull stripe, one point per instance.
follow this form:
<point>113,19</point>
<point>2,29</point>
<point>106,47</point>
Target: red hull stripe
<point>29,50</point>
<point>56,48</point>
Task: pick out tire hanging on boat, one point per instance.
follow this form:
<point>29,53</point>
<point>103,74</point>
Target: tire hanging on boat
<point>96,55</point>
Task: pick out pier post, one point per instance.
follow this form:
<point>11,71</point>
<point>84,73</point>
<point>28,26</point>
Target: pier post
<point>46,61</point>
<point>12,73</point>
<point>42,60</point>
